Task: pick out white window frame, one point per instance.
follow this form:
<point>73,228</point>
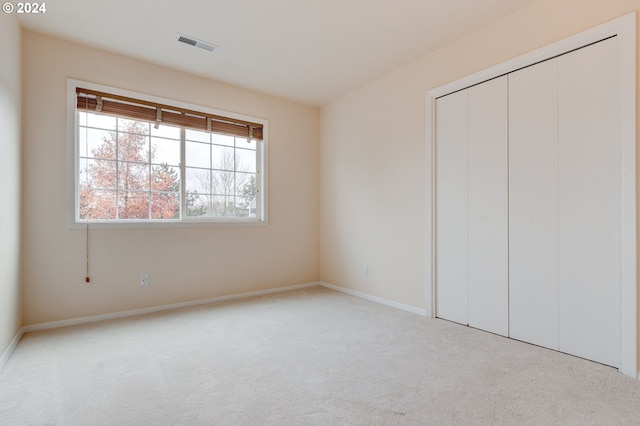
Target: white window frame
<point>73,163</point>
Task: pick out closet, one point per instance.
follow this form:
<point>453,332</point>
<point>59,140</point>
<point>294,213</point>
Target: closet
<point>472,207</point>
<point>528,204</point>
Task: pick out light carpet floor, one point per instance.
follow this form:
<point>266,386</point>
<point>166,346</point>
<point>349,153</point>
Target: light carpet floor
<point>305,357</point>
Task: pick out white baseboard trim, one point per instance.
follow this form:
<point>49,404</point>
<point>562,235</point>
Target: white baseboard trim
<point>12,346</point>
<point>143,311</point>
<point>376,299</point>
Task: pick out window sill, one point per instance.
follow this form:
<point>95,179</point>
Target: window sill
<point>137,224</point>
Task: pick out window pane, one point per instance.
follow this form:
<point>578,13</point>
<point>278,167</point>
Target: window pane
<point>133,176</point>
<point>96,204</point>
<point>198,205</point>
<point>246,184</point>
<point>223,206</point>
<point>223,158</point>
<point>242,143</point>
<point>246,206</point>
<point>133,147</point>
<point>132,126</point>
<point>83,177</point>
<point>222,139</point>
<point>196,135</point>
<point>252,206</point>
<point>198,154</point>
<point>245,160</point>
<point>133,205</point>
<point>97,143</point>
<point>198,181</point>
<point>165,151</point>
<point>165,206</point>
<point>166,131</point>
<point>165,178</point>
<point>101,121</point>
<point>223,183</point>
<point>82,142</point>
<point>97,174</point>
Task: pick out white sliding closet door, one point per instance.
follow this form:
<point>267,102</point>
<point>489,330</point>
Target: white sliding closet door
<point>535,197</point>
<point>472,207</point>
<point>488,210</point>
<point>533,204</point>
<point>590,203</point>
<point>452,295</point>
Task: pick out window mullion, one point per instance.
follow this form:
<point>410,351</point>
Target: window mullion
<point>211,191</point>
<point>117,182</point>
<point>258,194</point>
<point>150,178</point>
<point>235,176</point>
<point>183,174</point>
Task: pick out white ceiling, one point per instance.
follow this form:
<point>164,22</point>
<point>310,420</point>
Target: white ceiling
<point>310,51</point>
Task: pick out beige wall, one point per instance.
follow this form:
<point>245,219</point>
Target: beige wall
<point>373,167</point>
<point>183,263</point>
<point>10,320</point>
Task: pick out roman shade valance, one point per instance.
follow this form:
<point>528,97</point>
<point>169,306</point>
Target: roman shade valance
<point>136,109</point>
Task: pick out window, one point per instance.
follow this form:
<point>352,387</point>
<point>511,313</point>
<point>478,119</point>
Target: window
<point>142,161</point>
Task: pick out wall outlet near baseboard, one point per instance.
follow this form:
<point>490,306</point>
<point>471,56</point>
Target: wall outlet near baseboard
<point>144,280</point>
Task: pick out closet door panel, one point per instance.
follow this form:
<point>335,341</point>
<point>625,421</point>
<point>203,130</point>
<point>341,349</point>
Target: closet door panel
<point>589,211</point>
<point>488,207</point>
<point>533,205</point>
<point>451,208</point>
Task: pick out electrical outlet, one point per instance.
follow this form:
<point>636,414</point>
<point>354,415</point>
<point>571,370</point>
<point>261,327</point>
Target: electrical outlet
<point>365,270</point>
<point>144,279</point>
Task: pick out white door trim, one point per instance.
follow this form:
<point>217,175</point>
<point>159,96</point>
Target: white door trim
<point>624,28</point>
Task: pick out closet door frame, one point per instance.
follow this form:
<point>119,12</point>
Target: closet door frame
<point>624,30</point>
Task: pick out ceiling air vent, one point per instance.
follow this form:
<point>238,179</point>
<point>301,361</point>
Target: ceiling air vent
<point>209,47</point>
